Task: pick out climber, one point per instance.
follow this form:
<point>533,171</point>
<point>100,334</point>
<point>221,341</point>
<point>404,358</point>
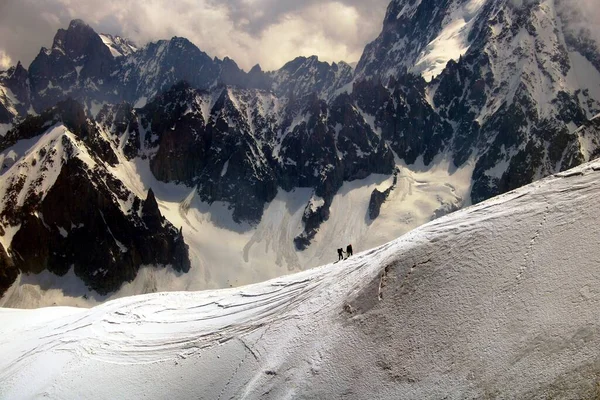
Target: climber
<point>348,250</point>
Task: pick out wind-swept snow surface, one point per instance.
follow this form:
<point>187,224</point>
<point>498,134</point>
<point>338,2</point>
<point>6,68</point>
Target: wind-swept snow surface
<point>498,300</point>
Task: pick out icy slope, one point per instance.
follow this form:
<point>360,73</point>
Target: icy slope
<point>499,299</point>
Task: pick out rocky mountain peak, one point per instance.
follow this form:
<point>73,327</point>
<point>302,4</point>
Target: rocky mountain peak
<point>305,75</point>
<point>180,45</point>
<point>257,78</point>
<point>18,71</point>
<point>256,69</point>
<point>231,74</point>
<point>78,41</point>
<point>79,65</point>
<point>78,24</point>
<point>101,68</point>
<point>150,211</point>
<point>14,92</point>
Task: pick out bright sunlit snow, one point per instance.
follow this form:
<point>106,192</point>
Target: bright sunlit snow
<point>500,298</point>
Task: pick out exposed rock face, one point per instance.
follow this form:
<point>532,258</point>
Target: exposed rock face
<point>80,225</point>
<point>303,76</point>
<point>409,26</point>
<point>508,101</point>
<point>315,213</point>
<point>98,69</point>
<point>79,65</point>
<point>239,145</point>
<point>69,113</point>
<point>121,121</point>
<point>158,66</point>
<point>8,271</point>
<point>589,138</point>
<point>378,198</point>
<point>150,212</point>
<point>406,120</point>
<point>14,93</point>
<point>376,201</point>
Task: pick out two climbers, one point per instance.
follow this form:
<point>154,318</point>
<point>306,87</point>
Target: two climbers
<point>340,252</point>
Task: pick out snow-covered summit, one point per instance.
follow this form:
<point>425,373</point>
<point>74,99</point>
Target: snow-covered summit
<point>500,298</point>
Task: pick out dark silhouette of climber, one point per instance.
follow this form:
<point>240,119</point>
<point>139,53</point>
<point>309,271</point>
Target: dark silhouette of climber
<point>348,250</point>
<point>340,254</point>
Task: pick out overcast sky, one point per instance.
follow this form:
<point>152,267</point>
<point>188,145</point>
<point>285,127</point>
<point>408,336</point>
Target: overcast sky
<point>269,32</point>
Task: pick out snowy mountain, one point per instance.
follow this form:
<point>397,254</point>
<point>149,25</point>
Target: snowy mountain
<point>304,76</point>
<point>14,96</point>
<point>422,36</point>
<point>63,209</point>
<point>97,69</point>
<point>454,103</point>
<point>515,87</point>
<point>496,300</point>
<point>78,65</point>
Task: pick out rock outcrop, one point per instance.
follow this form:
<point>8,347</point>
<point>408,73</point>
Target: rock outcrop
<point>8,271</point>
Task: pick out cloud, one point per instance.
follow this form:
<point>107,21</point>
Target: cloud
<point>269,32</point>
<point>5,61</point>
<point>585,15</point>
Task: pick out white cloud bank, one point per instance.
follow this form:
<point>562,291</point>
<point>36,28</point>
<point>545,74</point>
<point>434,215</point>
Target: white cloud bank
<point>5,60</point>
<point>269,32</point>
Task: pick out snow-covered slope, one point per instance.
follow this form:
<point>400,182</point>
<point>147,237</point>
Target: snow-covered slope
<point>500,299</point>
